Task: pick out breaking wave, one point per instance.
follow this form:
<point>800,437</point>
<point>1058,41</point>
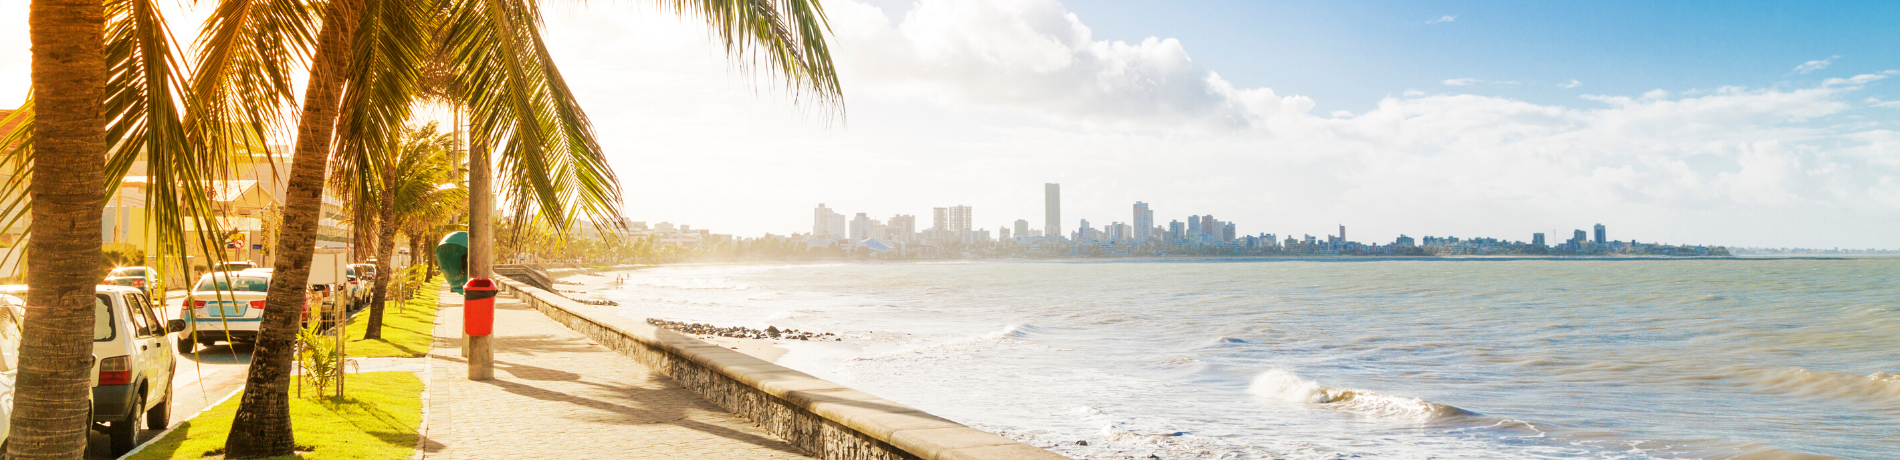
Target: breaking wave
<point>1281,385</point>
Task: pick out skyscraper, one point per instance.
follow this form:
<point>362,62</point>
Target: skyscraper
<point>1193,228</point>
<point>1210,226</point>
<point>1602,236</point>
<point>1144,222</point>
<point>826,224</point>
<point>1176,231</point>
<point>903,228</point>
<point>1537,239</point>
<point>1022,228</point>
<point>861,226</point>
<point>1342,232</point>
<point>1052,210</point>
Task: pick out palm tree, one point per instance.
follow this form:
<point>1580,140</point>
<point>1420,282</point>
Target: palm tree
<point>520,112</point>
<point>69,71</point>
<point>413,182</point>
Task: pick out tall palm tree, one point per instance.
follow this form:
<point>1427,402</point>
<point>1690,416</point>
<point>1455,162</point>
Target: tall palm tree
<point>108,92</point>
<point>413,179</point>
<point>520,111</point>
<point>69,71</point>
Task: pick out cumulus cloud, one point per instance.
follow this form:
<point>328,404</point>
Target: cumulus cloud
<point>1571,84</point>
<point>1818,64</point>
<point>1445,18</point>
<point>980,101</point>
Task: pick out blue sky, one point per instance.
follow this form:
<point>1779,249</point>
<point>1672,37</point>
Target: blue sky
<point>1347,55</point>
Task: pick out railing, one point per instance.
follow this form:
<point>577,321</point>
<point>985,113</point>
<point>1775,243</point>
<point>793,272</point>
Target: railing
<point>824,419</point>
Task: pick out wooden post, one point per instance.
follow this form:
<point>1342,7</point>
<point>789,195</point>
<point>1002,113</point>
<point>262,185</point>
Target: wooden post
<point>481,251</point>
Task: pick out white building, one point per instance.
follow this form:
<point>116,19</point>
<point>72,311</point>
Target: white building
<point>826,223</point>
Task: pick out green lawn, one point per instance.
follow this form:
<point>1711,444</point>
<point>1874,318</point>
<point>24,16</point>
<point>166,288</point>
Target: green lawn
<point>408,330</point>
<point>376,420</point>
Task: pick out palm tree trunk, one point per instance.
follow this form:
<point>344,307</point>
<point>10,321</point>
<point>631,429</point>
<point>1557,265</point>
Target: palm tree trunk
<point>50,415</point>
<point>385,243</point>
<point>262,425</point>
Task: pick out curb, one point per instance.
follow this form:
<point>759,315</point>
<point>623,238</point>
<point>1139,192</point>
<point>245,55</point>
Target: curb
<point>168,429</point>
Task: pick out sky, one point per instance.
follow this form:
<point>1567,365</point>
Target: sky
<point>1724,123</point>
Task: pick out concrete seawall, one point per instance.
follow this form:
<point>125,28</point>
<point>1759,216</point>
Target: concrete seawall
<point>824,419</point>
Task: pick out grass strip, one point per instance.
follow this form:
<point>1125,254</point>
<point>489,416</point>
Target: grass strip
<point>408,327</point>
<point>377,419</point>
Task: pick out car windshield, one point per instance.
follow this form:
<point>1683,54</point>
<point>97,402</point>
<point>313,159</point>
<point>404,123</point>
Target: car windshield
<point>128,272</point>
<point>238,284</point>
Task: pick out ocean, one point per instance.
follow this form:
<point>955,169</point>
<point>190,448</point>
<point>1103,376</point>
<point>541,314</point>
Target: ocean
<point>1312,359</point>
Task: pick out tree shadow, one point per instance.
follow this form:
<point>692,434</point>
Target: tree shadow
<point>627,409</point>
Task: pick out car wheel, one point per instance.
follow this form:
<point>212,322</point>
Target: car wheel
<point>185,345</point>
<point>125,433</point>
<point>160,415</point>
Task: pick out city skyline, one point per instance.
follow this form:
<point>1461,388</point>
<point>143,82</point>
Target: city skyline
<point>1765,126</point>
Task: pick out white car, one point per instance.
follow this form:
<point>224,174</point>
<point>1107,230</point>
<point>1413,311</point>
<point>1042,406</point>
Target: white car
<point>12,313</point>
<point>134,364</point>
<point>223,307</point>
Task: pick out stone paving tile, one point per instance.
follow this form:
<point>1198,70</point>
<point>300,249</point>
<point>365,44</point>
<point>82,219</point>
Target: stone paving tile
<point>557,395</point>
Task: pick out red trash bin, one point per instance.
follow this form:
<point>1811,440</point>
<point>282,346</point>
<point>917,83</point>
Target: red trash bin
<point>478,307</point>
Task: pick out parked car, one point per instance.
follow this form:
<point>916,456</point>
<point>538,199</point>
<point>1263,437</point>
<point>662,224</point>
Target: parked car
<point>138,277</point>
<point>12,312</point>
<point>233,267</point>
<point>357,286</point>
<point>222,307</point>
<point>133,365</point>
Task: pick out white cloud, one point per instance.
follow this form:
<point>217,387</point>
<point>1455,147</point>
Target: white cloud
<point>1445,18</point>
<point>980,101</point>
<point>1818,64</point>
<point>1572,84</point>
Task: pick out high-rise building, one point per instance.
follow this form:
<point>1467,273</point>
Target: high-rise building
<point>903,228</point>
<point>861,226</point>
<point>1022,228</point>
<point>951,223</point>
<point>1052,210</point>
<point>1193,228</point>
<point>1537,239</point>
<point>1579,238</point>
<point>1227,232</point>
<point>1176,231</point>
<point>1144,222</point>
<point>1342,233</point>
<point>826,223</point>
<point>1209,226</point>
<point>1002,233</point>
<point>1602,236</point>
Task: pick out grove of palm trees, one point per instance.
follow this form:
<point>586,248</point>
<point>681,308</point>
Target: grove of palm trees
<point>112,87</point>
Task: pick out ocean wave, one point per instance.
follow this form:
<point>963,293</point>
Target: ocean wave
<point>1281,385</point>
<point>1881,388</point>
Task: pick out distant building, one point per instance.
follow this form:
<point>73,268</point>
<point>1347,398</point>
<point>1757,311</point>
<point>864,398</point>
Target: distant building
<point>1209,226</point>
<point>1176,231</point>
<point>1193,228</point>
<point>826,223</point>
<point>1052,209</point>
<point>1602,236</point>
<point>1002,233</point>
<point>1227,232</point>
<point>1404,241</point>
<point>1537,239</point>
<point>1022,228</point>
<point>861,227</point>
<point>1342,233</point>
<point>903,228</point>
<point>1144,222</point>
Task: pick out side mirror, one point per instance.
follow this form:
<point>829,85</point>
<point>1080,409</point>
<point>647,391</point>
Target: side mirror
<point>176,325</point>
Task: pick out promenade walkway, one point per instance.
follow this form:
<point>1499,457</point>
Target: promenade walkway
<point>557,395</point>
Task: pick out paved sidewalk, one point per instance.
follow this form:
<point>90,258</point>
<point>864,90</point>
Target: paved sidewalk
<point>558,395</point>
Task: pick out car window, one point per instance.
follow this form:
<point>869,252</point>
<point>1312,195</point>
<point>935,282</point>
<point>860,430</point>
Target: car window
<point>10,331</point>
<point>141,325</point>
<point>239,284</point>
<point>151,314</point>
<point>103,327</point>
